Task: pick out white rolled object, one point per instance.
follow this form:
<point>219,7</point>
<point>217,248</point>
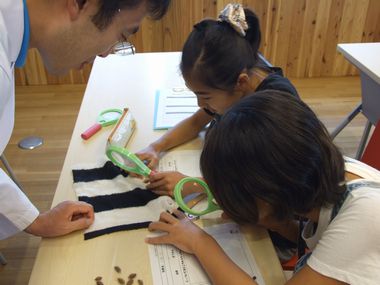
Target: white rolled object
<point>123,130</point>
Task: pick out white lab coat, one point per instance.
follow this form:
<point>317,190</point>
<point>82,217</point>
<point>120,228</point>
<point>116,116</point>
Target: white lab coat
<point>16,211</point>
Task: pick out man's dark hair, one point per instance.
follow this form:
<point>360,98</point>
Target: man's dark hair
<point>108,9</point>
<point>271,146</point>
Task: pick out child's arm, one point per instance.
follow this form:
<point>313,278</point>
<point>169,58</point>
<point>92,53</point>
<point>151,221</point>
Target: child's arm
<point>188,237</point>
<point>219,267</point>
<point>181,133</point>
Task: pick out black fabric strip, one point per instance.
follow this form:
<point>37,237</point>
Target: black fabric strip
<point>134,198</point>
<point>107,171</point>
<point>136,226</point>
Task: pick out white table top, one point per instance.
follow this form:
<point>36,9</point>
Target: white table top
<point>365,56</point>
<point>118,82</point>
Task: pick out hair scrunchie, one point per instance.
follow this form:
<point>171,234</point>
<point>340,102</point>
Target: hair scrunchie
<point>235,16</point>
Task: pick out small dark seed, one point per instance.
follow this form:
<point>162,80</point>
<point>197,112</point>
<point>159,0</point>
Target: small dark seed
<point>98,278</point>
<point>254,277</point>
<point>117,269</point>
<point>121,281</point>
<point>132,275</point>
<point>99,283</point>
<point>140,282</point>
<point>130,282</point>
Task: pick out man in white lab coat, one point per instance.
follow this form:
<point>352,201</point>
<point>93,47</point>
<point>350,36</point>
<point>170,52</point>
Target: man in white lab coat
<point>68,34</point>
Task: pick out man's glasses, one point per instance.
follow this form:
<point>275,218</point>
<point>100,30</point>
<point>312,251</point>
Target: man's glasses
<point>124,48</point>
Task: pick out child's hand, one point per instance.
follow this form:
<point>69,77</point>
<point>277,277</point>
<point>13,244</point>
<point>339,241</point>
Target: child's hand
<point>163,183</point>
<point>150,155</point>
<point>180,232</point>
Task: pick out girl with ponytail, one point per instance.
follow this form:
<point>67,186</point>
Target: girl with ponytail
<point>221,65</point>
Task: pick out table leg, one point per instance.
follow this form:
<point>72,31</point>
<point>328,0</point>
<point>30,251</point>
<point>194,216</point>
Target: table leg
<point>346,121</point>
<point>370,98</point>
<point>363,140</point>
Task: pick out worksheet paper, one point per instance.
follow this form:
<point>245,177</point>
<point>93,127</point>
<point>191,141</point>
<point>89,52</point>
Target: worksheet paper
<point>184,161</point>
<point>172,106</point>
<point>171,266</point>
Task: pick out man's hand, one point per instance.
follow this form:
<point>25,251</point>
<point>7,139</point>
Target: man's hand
<point>66,217</point>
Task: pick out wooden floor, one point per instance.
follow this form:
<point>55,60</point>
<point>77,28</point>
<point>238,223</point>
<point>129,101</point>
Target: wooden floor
<point>50,112</point>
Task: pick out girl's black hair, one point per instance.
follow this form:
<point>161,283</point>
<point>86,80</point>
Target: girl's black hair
<point>271,146</point>
<point>215,54</point>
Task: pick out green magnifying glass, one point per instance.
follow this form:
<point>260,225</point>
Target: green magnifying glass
<point>194,196</point>
<point>127,160</point>
<point>106,118</point>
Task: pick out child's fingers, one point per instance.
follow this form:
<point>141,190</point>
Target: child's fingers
<point>162,192</point>
<point>156,184</point>
<point>131,174</point>
<point>159,226</point>
<point>164,239</point>
<point>156,176</point>
<point>180,215</point>
<point>167,218</point>
<point>152,163</point>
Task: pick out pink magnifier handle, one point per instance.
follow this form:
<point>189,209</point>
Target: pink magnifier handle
<point>91,131</point>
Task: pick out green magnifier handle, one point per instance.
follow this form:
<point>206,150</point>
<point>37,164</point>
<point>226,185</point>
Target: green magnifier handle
<point>106,118</point>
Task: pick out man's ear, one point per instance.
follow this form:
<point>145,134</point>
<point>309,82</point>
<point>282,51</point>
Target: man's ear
<point>243,82</point>
<point>75,7</point>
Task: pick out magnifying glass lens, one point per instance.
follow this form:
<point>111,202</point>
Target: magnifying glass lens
<point>123,160</point>
<point>194,196</point>
<point>110,116</point>
<point>124,48</point>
